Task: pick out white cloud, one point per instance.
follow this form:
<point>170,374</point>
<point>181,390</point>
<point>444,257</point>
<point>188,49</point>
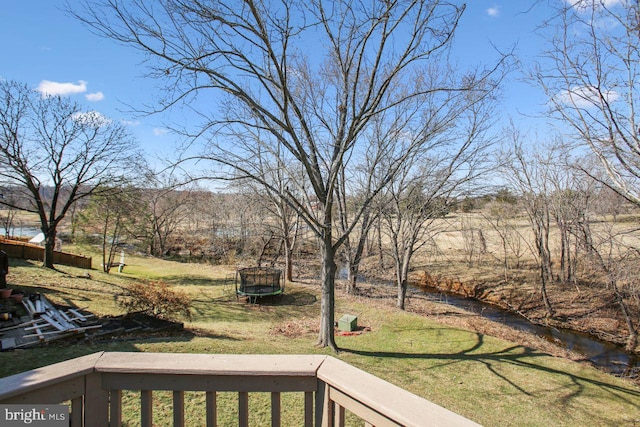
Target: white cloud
<point>130,122</point>
<point>91,118</point>
<point>49,88</point>
<point>160,131</point>
<point>94,97</point>
<point>585,96</point>
<point>493,11</point>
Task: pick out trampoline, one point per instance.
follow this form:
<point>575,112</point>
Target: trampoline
<point>258,282</point>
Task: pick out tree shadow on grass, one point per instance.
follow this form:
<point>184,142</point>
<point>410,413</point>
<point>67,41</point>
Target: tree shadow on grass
<point>228,307</point>
<point>74,292</point>
<point>66,295</point>
<point>516,355</point>
<point>197,280</point>
<point>297,298</point>
<point>294,299</point>
<point>182,336</point>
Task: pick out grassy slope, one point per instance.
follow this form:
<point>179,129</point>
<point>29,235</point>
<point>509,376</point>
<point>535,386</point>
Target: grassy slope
<point>490,381</point>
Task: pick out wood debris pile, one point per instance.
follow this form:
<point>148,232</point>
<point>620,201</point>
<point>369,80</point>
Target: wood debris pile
<point>44,322</point>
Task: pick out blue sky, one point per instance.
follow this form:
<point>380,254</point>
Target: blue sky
<point>45,48</point>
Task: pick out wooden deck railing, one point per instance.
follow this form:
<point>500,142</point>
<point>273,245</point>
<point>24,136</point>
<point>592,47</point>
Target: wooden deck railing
<point>94,385</point>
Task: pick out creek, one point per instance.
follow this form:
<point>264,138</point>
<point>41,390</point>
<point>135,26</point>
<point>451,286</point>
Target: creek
<point>20,231</point>
<point>604,355</point>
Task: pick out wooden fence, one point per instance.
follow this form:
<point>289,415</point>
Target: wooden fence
<point>23,250</point>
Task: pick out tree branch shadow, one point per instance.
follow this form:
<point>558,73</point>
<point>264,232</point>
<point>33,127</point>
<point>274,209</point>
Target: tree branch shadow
<point>517,355</point>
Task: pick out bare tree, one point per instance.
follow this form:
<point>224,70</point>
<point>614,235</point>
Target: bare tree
<point>163,207</point>
<point>282,221</point>
<point>353,187</point>
<point>107,214</point>
<point>8,216</point>
<point>592,79</point>
<point>430,182</point>
<point>412,207</point>
<point>473,241</point>
<point>608,202</point>
<point>57,154</point>
<point>503,211</point>
<point>569,198</point>
<point>216,224</point>
<point>609,251</point>
<point>311,109</point>
<point>6,220</point>
<point>527,173</point>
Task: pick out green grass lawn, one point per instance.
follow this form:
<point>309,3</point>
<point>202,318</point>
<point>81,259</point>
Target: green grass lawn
<point>489,380</point>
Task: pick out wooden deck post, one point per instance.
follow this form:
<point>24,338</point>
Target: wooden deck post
<point>97,400</point>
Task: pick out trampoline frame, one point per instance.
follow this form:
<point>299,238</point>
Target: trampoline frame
<point>270,282</point>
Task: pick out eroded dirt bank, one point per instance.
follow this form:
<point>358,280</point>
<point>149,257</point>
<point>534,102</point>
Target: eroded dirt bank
<point>589,309</point>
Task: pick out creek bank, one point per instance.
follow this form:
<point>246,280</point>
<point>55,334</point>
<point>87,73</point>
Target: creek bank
<point>575,327</point>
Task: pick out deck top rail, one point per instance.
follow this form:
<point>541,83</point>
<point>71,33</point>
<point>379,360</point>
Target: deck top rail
<point>93,385</point>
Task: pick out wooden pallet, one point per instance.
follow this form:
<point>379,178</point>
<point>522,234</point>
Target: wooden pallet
<point>44,323</point>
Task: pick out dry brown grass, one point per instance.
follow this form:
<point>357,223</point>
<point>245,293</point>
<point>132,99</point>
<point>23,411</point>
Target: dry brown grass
<point>446,264</point>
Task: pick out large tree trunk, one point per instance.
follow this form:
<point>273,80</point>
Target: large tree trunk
<point>379,242</point>
<point>352,278</point>
<point>546,273</point>
<point>545,276</point>
<point>402,276</point>
<point>543,292</point>
<point>49,246</point>
<point>288,259</point>
<point>110,253</point>
<point>106,262</point>
<point>402,293</point>
<point>356,258</point>
<point>354,266</point>
<point>326,336</point>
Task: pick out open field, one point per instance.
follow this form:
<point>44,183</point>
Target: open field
<point>445,355</point>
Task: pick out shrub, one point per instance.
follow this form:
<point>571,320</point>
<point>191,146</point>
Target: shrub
<point>156,299</point>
